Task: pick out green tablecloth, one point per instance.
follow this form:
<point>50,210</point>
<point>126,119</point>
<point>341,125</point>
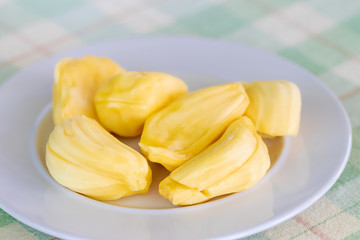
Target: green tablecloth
<point>323,36</point>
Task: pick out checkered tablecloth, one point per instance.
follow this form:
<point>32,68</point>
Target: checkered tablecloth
<point>323,36</point>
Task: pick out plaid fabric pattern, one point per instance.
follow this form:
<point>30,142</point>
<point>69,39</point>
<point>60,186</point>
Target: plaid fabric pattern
<point>323,36</point>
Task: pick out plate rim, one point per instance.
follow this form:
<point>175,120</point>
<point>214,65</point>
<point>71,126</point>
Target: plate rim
<point>252,230</point>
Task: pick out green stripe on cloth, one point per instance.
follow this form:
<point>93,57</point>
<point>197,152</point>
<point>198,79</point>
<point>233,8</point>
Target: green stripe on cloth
<point>354,236</point>
<point>253,10</point>
<point>251,36</point>
<point>349,43</point>
<point>338,10</point>
<point>37,234</point>
<point>6,71</point>
<point>297,56</point>
<point>5,219</point>
<point>49,8</point>
<point>213,21</point>
<point>315,49</point>
<point>258,236</point>
<point>9,16</point>
<point>339,85</point>
<point>84,15</point>
<point>352,107</point>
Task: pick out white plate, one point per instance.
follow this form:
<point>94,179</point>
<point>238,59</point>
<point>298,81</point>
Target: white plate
<point>314,159</point>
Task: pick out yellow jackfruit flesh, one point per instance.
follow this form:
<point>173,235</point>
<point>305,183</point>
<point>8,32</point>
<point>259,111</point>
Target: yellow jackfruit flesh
<point>275,107</point>
<point>246,176</point>
<point>82,156</point>
<point>76,81</point>
<point>235,162</point>
<point>188,125</point>
<point>179,194</point>
<point>125,101</point>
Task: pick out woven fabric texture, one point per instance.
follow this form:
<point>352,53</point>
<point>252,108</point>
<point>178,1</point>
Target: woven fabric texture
<point>323,36</point>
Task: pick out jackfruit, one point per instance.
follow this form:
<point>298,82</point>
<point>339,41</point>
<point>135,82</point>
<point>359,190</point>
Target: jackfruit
<point>125,101</point>
<point>235,162</point>
<point>188,125</point>
<point>76,81</point>
<point>82,156</point>
<point>275,107</point>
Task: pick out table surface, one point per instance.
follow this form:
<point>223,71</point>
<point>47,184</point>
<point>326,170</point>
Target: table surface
<point>322,36</point>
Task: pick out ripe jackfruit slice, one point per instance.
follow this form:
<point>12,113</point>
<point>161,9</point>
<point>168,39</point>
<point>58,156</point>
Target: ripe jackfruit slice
<point>76,81</point>
<point>85,158</point>
<point>246,176</point>
<point>235,162</point>
<point>275,107</point>
<point>188,125</point>
<point>125,101</point>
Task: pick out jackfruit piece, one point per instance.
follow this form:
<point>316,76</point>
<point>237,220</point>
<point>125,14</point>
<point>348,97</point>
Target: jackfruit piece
<point>179,194</point>
<point>82,156</point>
<point>76,81</point>
<point>253,170</point>
<point>188,125</point>
<point>235,162</point>
<point>275,107</point>
<point>125,101</point>
<point>220,159</point>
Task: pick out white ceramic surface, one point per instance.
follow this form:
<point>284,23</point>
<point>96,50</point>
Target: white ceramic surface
<point>314,159</point>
